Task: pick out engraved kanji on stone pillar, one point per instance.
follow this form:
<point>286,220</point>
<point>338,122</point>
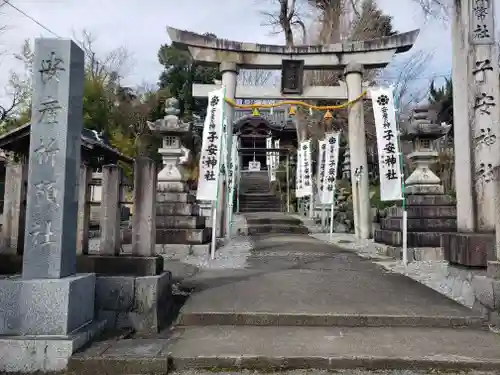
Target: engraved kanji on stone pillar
<point>485,115</point>
<point>54,159</point>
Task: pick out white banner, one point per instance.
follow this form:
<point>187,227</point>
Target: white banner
<point>329,175</point>
<point>388,144</point>
<point>320,172</point>
<point>210,159</point>
<point>276,164</point>
<point>270,159</point>
<point>298,175</point>
<point>304,180</point>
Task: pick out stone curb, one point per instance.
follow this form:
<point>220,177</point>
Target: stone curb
<point>326,320</point>
<point>118,366</point>
<point>268,363</point>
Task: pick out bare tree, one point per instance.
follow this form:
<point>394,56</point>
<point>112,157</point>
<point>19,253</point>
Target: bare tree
<point>254,78</point>
<point>403,76</point>
<point>19,86</point>
<point>110,67</point>
<point>286,20</point>
<point>435,8</point>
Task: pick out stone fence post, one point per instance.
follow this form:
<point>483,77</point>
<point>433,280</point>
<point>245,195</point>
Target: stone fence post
<point>144,216</point>
<point>110,210</point>
<point>82,234</point>
<point>14,215</point>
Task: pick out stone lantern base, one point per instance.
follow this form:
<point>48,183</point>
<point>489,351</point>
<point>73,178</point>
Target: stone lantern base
<point>180,230</point>
<point>429,217</point>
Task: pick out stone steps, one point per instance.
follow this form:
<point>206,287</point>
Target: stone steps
<point>260,209</point>
<point>276,228</point>
<point>265,319</point>
<point>235,348</point>
<point>268,202</point>
<point>291,221</point>
<point>258,197</point>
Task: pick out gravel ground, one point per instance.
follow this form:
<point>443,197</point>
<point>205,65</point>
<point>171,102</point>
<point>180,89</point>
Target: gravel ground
<point>324,372</point>
<point>231,255</point>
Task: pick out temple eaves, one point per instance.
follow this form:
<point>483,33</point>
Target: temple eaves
<point>372,54</point>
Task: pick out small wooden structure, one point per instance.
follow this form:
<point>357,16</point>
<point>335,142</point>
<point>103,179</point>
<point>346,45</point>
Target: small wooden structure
<point>13,178</point>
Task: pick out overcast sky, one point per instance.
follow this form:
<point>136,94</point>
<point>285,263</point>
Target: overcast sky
<point>140,26</point>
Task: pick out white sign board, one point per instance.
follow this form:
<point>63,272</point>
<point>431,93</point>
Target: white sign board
<point>210,159</point>
<point>276,161</point>
<point>254,166</point>
<point>270,159</point>
<point>388,144</point>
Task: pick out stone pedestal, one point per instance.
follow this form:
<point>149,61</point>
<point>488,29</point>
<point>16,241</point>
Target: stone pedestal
<point>429,216</point>
<point>178,220</point>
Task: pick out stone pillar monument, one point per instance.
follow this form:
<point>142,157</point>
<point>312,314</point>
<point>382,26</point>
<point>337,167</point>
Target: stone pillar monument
<point>357,146</point>
<point>476,121</point>
<point>50,299</point>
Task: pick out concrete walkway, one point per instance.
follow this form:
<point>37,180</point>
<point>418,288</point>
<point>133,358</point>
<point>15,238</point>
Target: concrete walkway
<point>302,303</point>
<point>300,278</point>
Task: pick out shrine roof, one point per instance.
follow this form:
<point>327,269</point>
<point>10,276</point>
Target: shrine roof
<point>18,140</point>
<point>373,53</point>
<point>278,120</point>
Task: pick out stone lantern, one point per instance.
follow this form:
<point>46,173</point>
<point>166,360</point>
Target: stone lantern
<point>174,155</point>
<point>180,230</point>
<point>431,213</point>
<point>423,132</point>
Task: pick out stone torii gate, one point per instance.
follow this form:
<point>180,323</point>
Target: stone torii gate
<point>351,57</point>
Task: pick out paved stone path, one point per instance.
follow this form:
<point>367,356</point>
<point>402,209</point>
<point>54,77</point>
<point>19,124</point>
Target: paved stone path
<point>299,275</point>
<point>300,302</point>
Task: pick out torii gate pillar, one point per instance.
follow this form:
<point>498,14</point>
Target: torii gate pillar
<point>229,71</point>
<point>357,144</point>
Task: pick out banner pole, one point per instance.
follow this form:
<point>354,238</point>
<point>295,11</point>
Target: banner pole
<point>214,230</point>
<point>287,182</point>
<point>403,203</point>
<point>216,204</point>
<point>332,213</point>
